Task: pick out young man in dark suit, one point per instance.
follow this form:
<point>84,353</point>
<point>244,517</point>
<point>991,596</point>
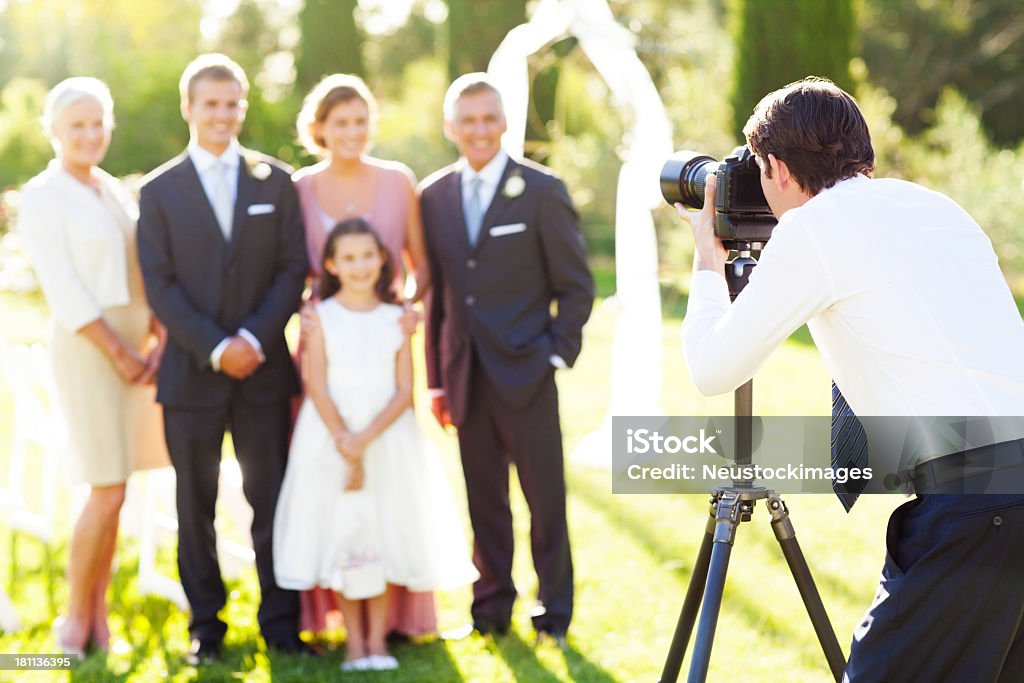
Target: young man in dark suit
<point>223,257</point>
<point>504,245</point>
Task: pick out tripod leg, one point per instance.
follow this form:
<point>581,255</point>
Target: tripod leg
<point>688,615</point>
<point>805,584</point>
<point>727,518</point>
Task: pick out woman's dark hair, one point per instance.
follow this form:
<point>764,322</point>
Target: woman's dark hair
<point>330,285</point>
<point>817,129</point>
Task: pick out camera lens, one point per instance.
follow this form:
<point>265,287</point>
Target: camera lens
<point>683,176</point>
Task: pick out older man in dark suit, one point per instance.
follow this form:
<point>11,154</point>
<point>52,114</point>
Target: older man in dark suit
<point>505,248</point>
<point>223,256</point>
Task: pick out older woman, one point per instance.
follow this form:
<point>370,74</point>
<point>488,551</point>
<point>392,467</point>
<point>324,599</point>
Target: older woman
<point>336,123</point>
<point>78,223</point>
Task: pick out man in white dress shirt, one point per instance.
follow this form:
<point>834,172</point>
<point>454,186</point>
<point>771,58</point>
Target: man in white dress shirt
<point>902,293</point>
<point>223,256</point>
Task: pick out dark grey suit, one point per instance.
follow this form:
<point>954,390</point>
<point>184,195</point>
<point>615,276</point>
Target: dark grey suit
<point>490,337</point>
<point>204,287</point>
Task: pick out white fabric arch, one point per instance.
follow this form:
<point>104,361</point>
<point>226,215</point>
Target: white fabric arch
<point>635,380</point>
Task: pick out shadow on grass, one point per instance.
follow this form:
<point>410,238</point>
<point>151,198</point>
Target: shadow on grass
<point>525,666</point>
<point>586,486</point>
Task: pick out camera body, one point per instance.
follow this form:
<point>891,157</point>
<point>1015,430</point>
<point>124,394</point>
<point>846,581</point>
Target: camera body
<point>743,217</point>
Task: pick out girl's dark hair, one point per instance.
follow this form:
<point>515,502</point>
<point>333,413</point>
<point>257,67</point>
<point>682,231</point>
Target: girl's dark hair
<point>329,284</point>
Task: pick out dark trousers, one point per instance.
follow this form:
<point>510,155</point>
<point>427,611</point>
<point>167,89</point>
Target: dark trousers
<point>950,603</point>
<point>194,439</point>
<point>493,436</point>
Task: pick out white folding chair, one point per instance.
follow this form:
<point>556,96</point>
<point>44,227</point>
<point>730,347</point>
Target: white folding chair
<point>29,496</point>
<point>9,621</point>
<point>234,522</point>
<point>149,514</point>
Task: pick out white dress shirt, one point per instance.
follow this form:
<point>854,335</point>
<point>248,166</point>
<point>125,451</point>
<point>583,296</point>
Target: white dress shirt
<point>76,244</point>
<point>490,176</point>
<point>901,291</point>
<point>204,162</point>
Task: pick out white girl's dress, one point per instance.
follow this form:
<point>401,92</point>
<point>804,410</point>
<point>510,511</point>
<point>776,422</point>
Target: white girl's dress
<point>401,527</point>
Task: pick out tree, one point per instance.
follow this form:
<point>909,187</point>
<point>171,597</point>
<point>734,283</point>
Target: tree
<point>976,46</point>
<point>138,48</point>
<point>781,41</point>
<point>331,42</point>
<point>247,37</point>
<point>476,28</point>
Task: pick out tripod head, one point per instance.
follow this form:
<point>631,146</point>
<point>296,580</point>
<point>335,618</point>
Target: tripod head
<point>737,271</point>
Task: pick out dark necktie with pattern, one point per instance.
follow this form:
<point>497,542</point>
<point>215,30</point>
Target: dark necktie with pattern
<point>849,448</point>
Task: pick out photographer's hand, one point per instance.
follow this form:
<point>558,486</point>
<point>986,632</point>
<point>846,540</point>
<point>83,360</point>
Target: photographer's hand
<point>708,252</point>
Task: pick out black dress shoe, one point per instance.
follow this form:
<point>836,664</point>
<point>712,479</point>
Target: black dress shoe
<point>298,648</point>
<point>203,653</point>
<point>554,635</point>
<point>485,626</point>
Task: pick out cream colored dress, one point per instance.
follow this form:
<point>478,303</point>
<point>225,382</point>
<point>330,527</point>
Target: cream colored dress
<point>82,246</point>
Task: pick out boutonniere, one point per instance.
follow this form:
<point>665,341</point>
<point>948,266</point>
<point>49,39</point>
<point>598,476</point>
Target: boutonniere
<point>258,169</point>
<point>514,185</point>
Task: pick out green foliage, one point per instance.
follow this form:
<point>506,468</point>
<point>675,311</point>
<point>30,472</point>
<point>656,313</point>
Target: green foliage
<point>22,143</point>
<point>917,49</point>
<point>388,55</point>
<point>781,41</point>
<point>331,41</point>
<point>416,139</point>
<point>138,49</point>
<point>248,37</point>
<point>476,28</point>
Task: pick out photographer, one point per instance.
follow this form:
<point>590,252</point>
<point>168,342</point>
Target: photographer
<point>903,295</point>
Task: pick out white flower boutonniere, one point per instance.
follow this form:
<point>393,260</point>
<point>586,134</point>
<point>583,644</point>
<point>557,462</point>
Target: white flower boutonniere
<point>260,170</point>
<point>514,185</point>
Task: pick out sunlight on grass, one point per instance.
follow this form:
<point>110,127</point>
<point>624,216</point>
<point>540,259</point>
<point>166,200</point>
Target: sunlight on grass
<point>633,555</point>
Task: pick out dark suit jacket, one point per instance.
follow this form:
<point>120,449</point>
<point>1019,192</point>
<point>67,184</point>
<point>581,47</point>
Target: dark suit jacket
<point>495,299</point>
<point>204,288</point>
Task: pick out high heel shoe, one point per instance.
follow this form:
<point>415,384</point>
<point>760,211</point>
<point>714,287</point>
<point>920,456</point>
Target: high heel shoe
<point>58,637</point>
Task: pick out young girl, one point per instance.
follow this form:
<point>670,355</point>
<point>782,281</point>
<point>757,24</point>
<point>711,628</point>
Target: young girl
<point>364,501</point>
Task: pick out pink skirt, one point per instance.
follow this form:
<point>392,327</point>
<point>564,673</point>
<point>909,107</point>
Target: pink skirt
<point>410,614</point>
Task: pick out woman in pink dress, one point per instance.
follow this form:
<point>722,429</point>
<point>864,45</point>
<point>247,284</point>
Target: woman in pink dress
<point>335,123</point>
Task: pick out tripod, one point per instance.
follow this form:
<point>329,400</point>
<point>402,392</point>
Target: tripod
<point>731,505</point>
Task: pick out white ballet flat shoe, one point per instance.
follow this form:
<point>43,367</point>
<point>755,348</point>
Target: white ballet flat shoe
<point>383,662</point>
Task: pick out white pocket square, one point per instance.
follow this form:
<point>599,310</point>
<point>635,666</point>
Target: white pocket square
<point>260,209</point>
<point>510,229</point>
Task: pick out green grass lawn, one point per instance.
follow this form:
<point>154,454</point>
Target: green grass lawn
<point>633,555</point>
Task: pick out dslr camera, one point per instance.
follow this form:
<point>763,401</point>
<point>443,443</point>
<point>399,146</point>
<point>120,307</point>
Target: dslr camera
<point>744,221</point>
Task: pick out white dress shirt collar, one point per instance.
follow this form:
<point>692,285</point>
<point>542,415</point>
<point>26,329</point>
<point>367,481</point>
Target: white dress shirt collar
<point>203,159</point>
<point>489,174</point>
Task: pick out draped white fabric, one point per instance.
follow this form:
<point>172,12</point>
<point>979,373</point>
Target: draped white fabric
<point>635,379</point>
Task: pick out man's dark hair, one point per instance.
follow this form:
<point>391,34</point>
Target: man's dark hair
<point>817,129</point>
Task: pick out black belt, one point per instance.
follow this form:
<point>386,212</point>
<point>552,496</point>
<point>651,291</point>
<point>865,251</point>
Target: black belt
<point>997,468</point>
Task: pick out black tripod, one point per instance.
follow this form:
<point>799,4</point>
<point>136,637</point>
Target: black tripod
<point>730,506</point>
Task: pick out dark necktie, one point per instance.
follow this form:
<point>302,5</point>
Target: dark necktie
<point>849,448</point>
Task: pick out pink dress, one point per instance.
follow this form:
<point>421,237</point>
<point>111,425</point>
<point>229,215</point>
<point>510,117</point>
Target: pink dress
<point>409,613</point>
<point>388,214</point>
